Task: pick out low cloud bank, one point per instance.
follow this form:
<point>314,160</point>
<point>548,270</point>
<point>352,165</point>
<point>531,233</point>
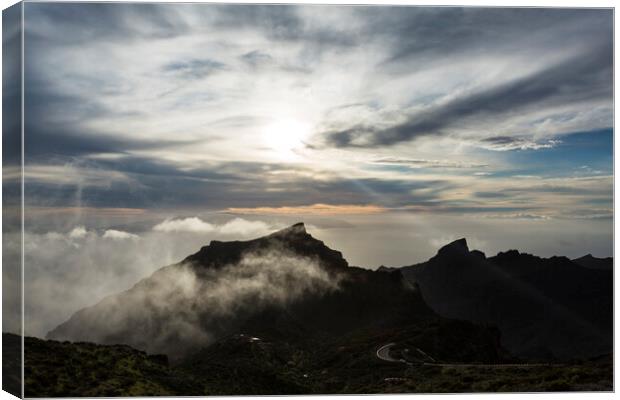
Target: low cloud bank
<point>235,226</point>
<point>182,306</point>
<point>119,235</point>
<point>66,271</point>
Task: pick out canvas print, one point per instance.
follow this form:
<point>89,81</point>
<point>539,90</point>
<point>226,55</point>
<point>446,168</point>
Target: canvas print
<point>244,199</point>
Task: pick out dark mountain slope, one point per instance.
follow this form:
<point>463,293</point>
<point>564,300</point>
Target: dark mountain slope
<point>287,284</point>
<point>544,308</point>
<point>57,369</point>
<point>589,261</point>
<point>12,364</point>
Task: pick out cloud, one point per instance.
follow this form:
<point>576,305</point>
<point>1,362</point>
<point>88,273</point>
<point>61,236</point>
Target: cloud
<point>439,33</point>
<point>266,279</point>
<point>52,134</point>
<point>194,68</point>
<point>402,104</point>
<point>239,226</point>
<point>76,267</point>
<point>314,209</point>
<point>117,93</point>
<point>236,226</point>
<point>192,224</point>
<point>285,23</point>
<point>78,233</point>
<point>119,235</point>
<point>257,58</point>
<point>143,183</point>
<point>517,216</point>
<point>121,22</point>
<point>71,269</point>
<point>504,143</point>
<point>94,211</point>
<point>581,79</point>
<point>421,163</point>
<point>74,174</point>
<point>491,195</point>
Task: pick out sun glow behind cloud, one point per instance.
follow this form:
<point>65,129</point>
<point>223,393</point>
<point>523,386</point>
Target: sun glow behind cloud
<point>280,111</point>
<point>286,138</point>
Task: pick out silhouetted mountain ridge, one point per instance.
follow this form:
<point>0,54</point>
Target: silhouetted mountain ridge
<point>289,286</point>
<point>294,238</point>
<point>286,285</point>
<point>545,307</point>
<point>589,261</point>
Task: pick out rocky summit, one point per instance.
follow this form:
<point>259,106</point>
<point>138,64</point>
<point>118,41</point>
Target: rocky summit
<point>286,283</point>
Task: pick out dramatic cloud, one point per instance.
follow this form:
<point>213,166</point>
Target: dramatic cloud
<point>128,104</point>
<point>582,79</point>
<point>150,124</point>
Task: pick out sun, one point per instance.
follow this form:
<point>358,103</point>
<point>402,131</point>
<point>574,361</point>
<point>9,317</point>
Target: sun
<point>285,137</point>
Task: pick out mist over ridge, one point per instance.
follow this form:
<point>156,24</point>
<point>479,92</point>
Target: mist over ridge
<point>98,265</point>
<point>310,289</point>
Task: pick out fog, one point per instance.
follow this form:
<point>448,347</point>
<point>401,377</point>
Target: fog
<point>183,306</point>
<point>65,271</point>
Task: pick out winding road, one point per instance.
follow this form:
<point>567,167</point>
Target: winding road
<point>383,353</point>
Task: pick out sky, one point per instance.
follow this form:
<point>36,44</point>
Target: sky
<point>154,128</point>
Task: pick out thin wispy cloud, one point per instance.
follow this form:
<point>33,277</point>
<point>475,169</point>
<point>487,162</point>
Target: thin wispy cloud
<point>314,209</point>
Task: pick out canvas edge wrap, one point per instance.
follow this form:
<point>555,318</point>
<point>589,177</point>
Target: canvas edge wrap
<point>12,203</point>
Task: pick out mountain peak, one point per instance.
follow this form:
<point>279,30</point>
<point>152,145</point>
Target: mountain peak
<point>454,251</point>
<point>296,229</point>
<point>459,246</point>
<point>294,239</point>
<point>460,242</point>
<point>589,261</point>
<point>479,254</point>
<point>299,225</point>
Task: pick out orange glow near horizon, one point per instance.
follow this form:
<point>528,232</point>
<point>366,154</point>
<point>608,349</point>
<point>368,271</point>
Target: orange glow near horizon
<point>314,209</point>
